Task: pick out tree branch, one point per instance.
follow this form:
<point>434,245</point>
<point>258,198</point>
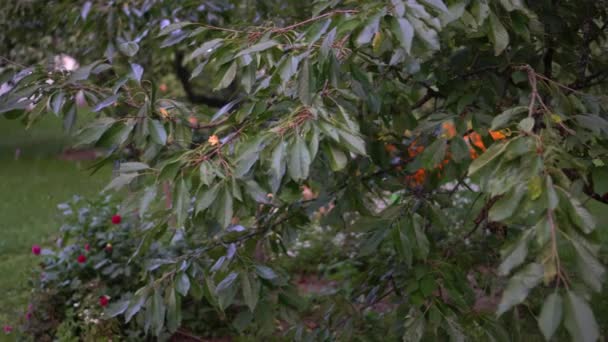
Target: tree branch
<point>183,74</point>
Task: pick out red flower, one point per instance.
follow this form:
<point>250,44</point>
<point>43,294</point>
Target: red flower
<point>87,247</point>
<point>103,301</point>
<point>28,315</point>
<point>82,259</point>
<point>116,219</point>
<point>7,329</point>
<point>36,249</point>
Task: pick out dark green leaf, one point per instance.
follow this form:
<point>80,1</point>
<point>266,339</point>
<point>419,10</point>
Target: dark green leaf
<point>299,160</point>
<point>305,87</point>
<point>157,132</point>
<point>489,155</point>
<point>250,288</point>
<point>519,286</point>
<point>404,31</point>
<point>226,282</point>
<point>105,103</point>
<point>505,207</point>
<point>128,48</point>
<point>498,34</point>
<point>434,154</point>
<point>158,312</point>
<point>502,119</point>
<point>579,319</point>
<point>257,48</point>
<point>265,272</point>
<point>117,308</point>
<point>207,198</point>
<point>515,255</point>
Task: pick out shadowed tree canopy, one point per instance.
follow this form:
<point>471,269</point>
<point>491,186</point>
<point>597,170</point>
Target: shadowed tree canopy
<point>452,154</point>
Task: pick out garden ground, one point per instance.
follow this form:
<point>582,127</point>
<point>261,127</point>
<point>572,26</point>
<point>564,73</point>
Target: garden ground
<point>33,181</point>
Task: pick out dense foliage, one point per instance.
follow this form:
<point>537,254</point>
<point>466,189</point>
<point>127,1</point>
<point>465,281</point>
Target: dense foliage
<point>417,137</point>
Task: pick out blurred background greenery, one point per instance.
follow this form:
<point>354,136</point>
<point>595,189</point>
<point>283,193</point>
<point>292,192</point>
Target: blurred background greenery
<point>34,179</point>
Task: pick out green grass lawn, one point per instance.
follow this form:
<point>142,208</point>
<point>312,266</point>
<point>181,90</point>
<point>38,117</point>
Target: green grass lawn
<point>31,188</point>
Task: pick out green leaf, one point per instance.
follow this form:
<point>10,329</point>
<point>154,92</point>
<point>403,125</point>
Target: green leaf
<point>505,207</point>
<point>550,315</point>
<point>157,132</point>
<point>589,267</point>
<point>425,33</point>
<point>182,203</point>
<point>158,312</point>
<point>105,103</point>
<point>552,198</point>
<point>182,284</point>
<point>116,308</point>
<point>265,272</point>
<point>328,42</point>
<point>257,48</point>
<point>248,156</point>
<point>459,149</point>
<point>132,167</point>
<point>136,304</point>
<point>242,320</point>
<point>305,87</point>
<point>414,326</point>
<point>288,68</point>
<point>543,231</point>
<point>224,214</point>
<point>173,27</point>
<point>299,160</point>
<point>173,310</point>
<point>579,319</point>
<point>498,34</point>
<point>128,48</point>
<point>404,31</point>
<point>207,173</point>
<point>337,158</point>
<point>207,198</point>
<point>502,119</point>
<point>229,76</point>
<point>489,155</point>
<point>436,4</point>
<point>251,290</point>
<point>600,180</point>
<point>58,101</point>
<point>421,240</point>
<point>93,132</point>
<point>277,167</point>
<point>515,255</point>
<point>354,142</point>
<point>120,181</point>
<point>519,286</point>
<point>434,154</point>
<point>369,30</point>
<point>577,213</point>
<point>145,201</point>
<point>227,282</point>
<point>83,73</point>
<point>137,71</point>
<point>204,50</point>
<point>526,125</point>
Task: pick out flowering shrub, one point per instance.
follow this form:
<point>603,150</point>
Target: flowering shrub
<point>81,275</point>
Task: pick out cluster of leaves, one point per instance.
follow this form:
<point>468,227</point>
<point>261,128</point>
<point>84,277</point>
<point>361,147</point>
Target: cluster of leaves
<point>317,104</point>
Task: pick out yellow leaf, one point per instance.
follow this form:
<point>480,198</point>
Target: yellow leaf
<point>535,187</point>
<point>556,118</point>
<point>377,40</point>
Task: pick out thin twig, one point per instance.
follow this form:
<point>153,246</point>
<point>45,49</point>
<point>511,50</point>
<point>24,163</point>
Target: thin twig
<point>313,19</point>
